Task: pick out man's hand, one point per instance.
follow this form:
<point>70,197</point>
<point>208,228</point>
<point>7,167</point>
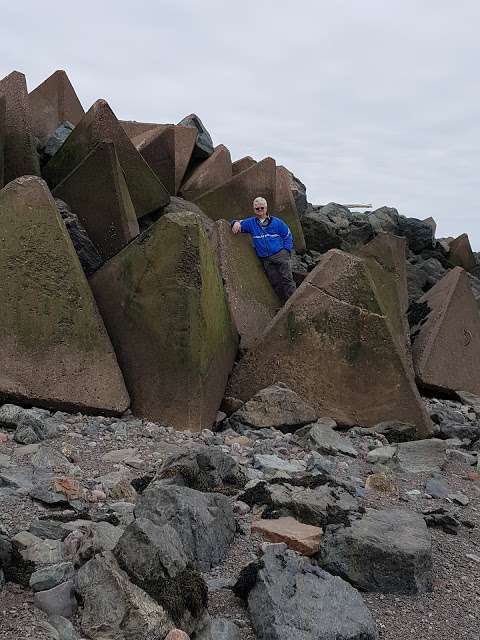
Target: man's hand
<point>237,227</point>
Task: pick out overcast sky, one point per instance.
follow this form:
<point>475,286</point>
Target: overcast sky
<point>365,101</point>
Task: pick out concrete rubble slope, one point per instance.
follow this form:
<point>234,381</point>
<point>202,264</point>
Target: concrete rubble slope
<point>100,125</point>
<point>163,302</point>
<point>446,340</point>
<point>20,155</point>
<point>97,193</point>
<point>54,101</point>
<point>54,348</point>
<point>332,344</point>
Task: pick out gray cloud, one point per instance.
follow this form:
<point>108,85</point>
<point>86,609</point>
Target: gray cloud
<point>373,101</point>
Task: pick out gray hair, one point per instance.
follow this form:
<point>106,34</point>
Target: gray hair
<point>260,201</point>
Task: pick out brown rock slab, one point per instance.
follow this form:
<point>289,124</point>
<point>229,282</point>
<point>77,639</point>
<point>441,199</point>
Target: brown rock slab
<point>133,128</point>
<point>20,155</point>
<point>54,348</point>
<point>286,209</point>
<point>242,164</point>
<point>185,138</point>
<point>54,101</point>
<point>332,344</point>
<point>209,174</point>
<point>234,199</point>
<point>99,124</point>
<point>300,537</point>
<point>97,192</point>
<point>251,298</point>
<point>164,305</point>
<point>461,254</point>
<point>446,344</point>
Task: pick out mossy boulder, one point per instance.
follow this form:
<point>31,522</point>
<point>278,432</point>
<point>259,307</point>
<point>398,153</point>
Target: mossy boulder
<point>164,305</point>
<point>54,348</point>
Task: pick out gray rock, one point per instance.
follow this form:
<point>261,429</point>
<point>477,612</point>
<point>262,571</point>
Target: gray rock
<point>204,469</point>
<point>16,478</point>
<point>64,628</point>
<point>323,464</point>
<point>5,461</point>
<point>451,430</point>
<point>180,205</point>
<point>381,455</point>
<point>322,438</point>
<point>275,407</point>
<point>419,234</point>
<point>155,560</point>
<point>421,456</point>
<point>271,464</point>
<point>37,551</point>
<point>437,486</point>
<point>59,601</point>
<point>87,253</point>
<point>204,522</point>
<point>299,192</point>
<point>51,576</point>
<point>2,580</point>
<point>456,455</point>
<point>384,219</point>
<point>396,431</point>
<point>204,145</point>
<point>388,551</point>
<point>57,138</point>
<point>459,498</point>
<point>113,607</point>
<point>291,599</point>
<point>47,458</point>
<point>471,400</point>
<point>320,233</point>
<point>223,629</point>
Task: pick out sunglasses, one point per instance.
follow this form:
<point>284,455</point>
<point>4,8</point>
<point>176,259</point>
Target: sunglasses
<point>259,208</point>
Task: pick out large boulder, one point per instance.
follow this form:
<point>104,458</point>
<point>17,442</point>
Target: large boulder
<point>333,345</point>
<point>251,298</point>
<point>291,599</point>
<point>276,407</point>
<point>203,143</point>
<point>204,522</point>
<point>209,174</point>
<point>335,226</point>
<point>419,234</point>
<point>97,192</point>
<point>113,607</point>
<point>388,551</point>
<point>446,336</point>
<point>87,253</point>
<point>53,102</point>
<point>99,124</point>
<point>54,348</point>
<point>163,302</point>
<point>20,155</point>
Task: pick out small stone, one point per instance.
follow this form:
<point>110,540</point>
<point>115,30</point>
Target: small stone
<point>414,493</point>
<point>271,464</point>
<point>119,455</point>
<point>463,457</point>
<point>51,576</point>
<point>241,508</point>
<point>300,537</point>
<point>241,441</point>
<point>459,498</point>
<point>437,486</point>
<point>381,455</point>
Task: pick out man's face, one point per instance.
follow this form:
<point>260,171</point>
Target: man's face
<point>260,210</point>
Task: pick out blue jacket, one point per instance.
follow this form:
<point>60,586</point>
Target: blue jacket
<point>270,239</point>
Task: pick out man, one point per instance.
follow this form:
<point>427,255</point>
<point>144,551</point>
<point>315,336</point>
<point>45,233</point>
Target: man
<point>273,243</point>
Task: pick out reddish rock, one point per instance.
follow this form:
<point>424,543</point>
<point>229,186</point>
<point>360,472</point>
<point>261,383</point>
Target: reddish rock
<point>242,164</point>
<point>209,174</point>
<point>99,124</point>
<point>300,537</point>
<point>461,254</point>
<point>252,301</point>
<point>332,344</point>
<point>54,349</point>
<point>286,209</point>
<point>97,193</point>
<point>53,102</point>
<point>446,343</point>
<point>164,305</point>
<point>20,155</point>
<point>177,634</point>
<point>234,199</point>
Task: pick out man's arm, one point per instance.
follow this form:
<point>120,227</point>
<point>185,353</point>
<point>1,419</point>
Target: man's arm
<point>286,235</point>
<point>240,226</point>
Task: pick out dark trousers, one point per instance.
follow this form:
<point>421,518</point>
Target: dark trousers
<point>279,271</point>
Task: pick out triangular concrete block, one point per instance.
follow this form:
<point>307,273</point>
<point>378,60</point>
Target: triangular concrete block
<point>53,102</point>
<point>461,254</point>
<point>252,301</point>
<point>446,338</point>
<point>209,174</point>
<point>99,124</point>
<point>333,347</point>
<point>244,163</point>
<point>20,155</point>
<point>286,209</point>
<point>97,193</point>
<point>164,305</point>
<point>54,349</point>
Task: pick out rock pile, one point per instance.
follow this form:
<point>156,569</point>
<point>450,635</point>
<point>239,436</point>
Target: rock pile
<point>162,416</point>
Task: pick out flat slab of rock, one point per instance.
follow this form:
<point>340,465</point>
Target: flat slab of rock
<point>275,407</point>
<point>292,599</point>
<point>322,438</point>
<point>271,464</point>
<point>300,537</point>
<point>388,551</point>
<point>56,352</point>
<point>421,456</point>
